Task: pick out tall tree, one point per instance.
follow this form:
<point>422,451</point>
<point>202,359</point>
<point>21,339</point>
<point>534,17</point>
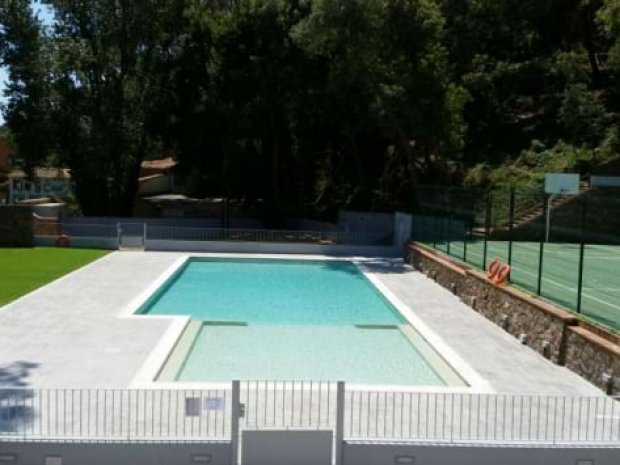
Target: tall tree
<point>23,49</point>
<point>107,53</point>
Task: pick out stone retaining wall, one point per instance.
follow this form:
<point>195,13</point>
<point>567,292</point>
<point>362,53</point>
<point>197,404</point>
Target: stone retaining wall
<point>594,357</point>
<point>542,326</point>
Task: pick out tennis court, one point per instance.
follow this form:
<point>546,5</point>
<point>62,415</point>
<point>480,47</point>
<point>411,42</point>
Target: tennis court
<point>600,291</point>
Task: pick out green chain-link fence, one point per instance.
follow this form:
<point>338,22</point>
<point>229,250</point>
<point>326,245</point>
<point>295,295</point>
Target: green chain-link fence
<point>563,248</point>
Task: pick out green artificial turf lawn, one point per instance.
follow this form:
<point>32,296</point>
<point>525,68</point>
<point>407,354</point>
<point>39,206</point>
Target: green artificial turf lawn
<point>23,270</point>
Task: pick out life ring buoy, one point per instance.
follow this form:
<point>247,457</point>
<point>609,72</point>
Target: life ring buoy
<point>63,241</point>
<point>502,275</point>
<point>494,268</point>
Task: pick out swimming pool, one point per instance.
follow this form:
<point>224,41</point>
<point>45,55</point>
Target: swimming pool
<point>291,319</point>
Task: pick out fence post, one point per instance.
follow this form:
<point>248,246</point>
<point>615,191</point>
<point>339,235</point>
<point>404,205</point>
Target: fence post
<point>487,226</point>
<point>449,206</point>
<point>511,221</point>
<point>541,250</point>
<point>235,412</point>
<point>584,211</point>
<point>435,229</point>
<point>339,422</point>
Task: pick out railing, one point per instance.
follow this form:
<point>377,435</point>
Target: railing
<point>289,404</point>
<point>562,248</point>
<point>114,414</point>
<point>265,235</point>
<point>220,414</point>
<point>482,418</point>
<point>173,233</point>
<point>90,230</point>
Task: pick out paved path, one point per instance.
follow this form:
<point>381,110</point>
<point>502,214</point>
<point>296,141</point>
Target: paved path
<point>69,333</point>
<point>508,365</point>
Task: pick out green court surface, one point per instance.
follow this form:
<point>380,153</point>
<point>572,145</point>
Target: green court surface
<point>600,300</point>
<point>22,269</point>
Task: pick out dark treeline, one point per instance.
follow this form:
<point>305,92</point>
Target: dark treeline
<point>311,105</point>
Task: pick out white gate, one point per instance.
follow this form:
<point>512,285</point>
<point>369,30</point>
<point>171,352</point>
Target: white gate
<point>290,422</point>
<point>131,235</point>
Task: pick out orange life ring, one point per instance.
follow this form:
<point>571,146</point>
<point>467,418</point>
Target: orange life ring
<point>494,268</point>
<point>63,241</point>
<point>502,275</point>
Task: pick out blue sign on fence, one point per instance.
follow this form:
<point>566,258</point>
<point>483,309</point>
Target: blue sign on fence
<point>213,403</point>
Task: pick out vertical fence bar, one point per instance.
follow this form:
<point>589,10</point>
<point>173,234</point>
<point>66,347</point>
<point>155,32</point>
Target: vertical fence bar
<point>435,229</point>
<point>235,412</point>
<point>511,220</point>
<point>339,434</point>
<point>449,211</point>
<point>584,210</point>
<point>487,226</point>
<point>541,249</point>
<point>465,228</point>
<point>442,211</point>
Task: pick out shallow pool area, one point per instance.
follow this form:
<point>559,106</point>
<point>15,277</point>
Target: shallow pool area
<point>291,319</point>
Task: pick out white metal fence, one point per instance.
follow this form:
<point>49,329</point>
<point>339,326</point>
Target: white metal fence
<point>266,235</point>
<point>114,414</point>
<point>198,414</point>
<point>481,418</point>
<point>174,233</point>
<point>288,404</point>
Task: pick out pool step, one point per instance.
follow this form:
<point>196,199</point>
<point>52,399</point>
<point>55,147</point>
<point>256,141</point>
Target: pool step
<point>177,356</point>
<point>443,369</point>
<point>372,326</point>
<point>224,323</point>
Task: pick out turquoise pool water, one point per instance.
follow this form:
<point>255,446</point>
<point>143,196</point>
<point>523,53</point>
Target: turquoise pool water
<point>334,353</point>
<point>290,319</point>
<point>274,292</point>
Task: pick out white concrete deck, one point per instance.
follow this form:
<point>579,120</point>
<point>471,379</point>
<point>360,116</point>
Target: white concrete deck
<point>71,333</point>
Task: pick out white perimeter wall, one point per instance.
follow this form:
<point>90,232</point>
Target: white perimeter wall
<point>403,229</point>
<point>233,247</point>
<point>272,248</point>
<point>354,454</point>
<point>388,454</point>
<point>116,453</point>
<point>110,243</point>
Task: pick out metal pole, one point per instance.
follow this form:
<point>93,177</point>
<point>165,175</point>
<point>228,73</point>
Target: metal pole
<point>465,242</point>
<point>548,216</point>
<point>487,225</point>
<point>235,412</point>
<point>441,222</point>
<point>511,221</point>
<point>434,230</point>
<point>449,205</point>
<point>339,423</point>
<point>541,253</point>
<point>584,210</point>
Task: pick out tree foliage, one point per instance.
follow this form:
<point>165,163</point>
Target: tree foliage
<point>24,51</point>
<point>310,105</point>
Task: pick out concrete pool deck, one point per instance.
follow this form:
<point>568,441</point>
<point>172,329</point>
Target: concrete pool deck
<point>72,333</point>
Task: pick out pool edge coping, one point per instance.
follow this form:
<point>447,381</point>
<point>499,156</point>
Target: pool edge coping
<point>146,376</point>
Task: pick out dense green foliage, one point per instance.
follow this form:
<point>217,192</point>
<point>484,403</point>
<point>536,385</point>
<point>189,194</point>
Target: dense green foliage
<point>24,270</point>
<point>311,105</point>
